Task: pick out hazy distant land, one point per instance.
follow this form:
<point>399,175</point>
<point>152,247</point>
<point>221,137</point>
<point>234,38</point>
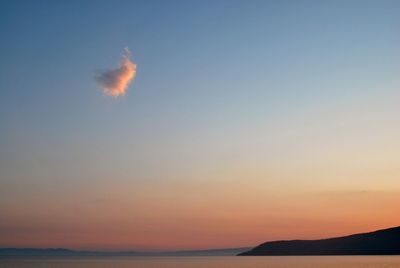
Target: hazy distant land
<point>381,242</point>
<point>69,252</point>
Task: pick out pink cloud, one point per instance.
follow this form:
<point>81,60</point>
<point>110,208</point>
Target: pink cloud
<point>115,82</point>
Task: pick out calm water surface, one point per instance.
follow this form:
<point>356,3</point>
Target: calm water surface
<point>203,262</point>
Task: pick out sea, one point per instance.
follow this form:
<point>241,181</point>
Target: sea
<point>204,262</point>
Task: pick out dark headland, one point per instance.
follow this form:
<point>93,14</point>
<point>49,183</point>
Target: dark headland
<point>381,242</point>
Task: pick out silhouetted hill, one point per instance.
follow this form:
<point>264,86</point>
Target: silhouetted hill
<point>381,242</point>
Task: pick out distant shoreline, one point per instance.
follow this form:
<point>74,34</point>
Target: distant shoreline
<point>70,252</point>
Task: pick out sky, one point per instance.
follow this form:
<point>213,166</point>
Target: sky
<point>247,121</point>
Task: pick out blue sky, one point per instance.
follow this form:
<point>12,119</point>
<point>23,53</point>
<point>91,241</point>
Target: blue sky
<point>219,84</point>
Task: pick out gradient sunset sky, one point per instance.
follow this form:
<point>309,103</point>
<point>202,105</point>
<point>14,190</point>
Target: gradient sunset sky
<point>247,121</point>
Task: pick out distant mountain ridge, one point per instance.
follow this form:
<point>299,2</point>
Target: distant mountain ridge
<point>70,252</point>
<point>381,242</point>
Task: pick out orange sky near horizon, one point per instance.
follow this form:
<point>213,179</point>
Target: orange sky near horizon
<point>292,185</point>
<point>236,216</point>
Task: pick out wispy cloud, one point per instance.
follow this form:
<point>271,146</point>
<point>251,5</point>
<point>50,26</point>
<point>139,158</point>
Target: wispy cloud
<point>115,82</point>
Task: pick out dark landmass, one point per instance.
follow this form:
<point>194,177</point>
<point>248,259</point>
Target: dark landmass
<point>69,252</point>
<point>381,242</point>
